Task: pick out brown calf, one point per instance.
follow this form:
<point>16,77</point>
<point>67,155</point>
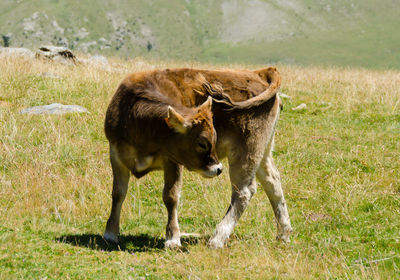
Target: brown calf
<point>148,130</point>
<point>245,111</point>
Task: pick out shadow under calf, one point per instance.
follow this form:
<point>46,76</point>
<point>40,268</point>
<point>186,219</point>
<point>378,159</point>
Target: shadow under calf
<point>129,243</point>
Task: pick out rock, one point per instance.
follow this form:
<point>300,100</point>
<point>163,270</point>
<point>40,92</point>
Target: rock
<point>104,43</point>
<point>82,33</point>
<point>190,234</point>
<point>29,23</point>
<point>302,106</point>
<point>281,94</point>
<point>57,27</point>
<point>84,47</point>
<point>16,52</point>
<point>49,75</point>
<point>142,63</point>
<point>62,41</point>
<point>56,53</point>
<point>97,61</point>
<point>55,108</point>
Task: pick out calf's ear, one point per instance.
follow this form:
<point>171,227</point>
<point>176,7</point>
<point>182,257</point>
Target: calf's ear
<point>206,106</point>
<point>176,121</point>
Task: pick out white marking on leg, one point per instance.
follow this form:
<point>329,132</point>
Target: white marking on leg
<point>269,177</point>
<point>173,243</point>
<point>222,233</point>
<point>111,237</point>
<point>240,199</point>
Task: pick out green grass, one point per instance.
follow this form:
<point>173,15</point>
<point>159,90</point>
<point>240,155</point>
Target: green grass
<point>339,163</point>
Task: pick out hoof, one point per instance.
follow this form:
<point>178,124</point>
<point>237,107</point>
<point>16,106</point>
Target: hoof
<point>284,235</point>
<point>110,237</point>
<point>173,243</point>
<point>215,244</point>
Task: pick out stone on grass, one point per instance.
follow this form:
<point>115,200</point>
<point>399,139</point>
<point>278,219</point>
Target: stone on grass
<point>281,94</point>
<point>97,61</point>
<point>60,54</point>
<point>190,234</point>
<point>302,106</point>
<point>12,52</point>
<point>49,75</point>
<point>55,109</point>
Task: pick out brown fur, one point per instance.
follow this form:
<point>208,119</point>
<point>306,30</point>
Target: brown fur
<point>245,111</point>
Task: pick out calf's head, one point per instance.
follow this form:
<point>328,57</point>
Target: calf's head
<point>194,139</point>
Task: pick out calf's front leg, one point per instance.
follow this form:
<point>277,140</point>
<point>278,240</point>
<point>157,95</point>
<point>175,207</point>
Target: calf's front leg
<point>171,194</point>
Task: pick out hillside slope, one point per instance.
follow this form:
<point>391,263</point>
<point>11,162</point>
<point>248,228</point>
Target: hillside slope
<point>355,33</point>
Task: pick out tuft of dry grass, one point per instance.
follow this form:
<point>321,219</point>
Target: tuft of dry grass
<point>339,162</point>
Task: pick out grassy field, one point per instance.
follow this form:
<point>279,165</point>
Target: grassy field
<point>339,163</point>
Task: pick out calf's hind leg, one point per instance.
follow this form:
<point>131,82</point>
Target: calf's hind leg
<point>269,177</point>
<point>120,186</point>
<point>171,193</point>
<point>243,188</point>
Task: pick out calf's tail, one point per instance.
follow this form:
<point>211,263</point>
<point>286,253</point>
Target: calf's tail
<point>272,76</point>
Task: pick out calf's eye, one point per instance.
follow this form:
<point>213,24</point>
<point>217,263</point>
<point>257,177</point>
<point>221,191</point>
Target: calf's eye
<point>202,146</point>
